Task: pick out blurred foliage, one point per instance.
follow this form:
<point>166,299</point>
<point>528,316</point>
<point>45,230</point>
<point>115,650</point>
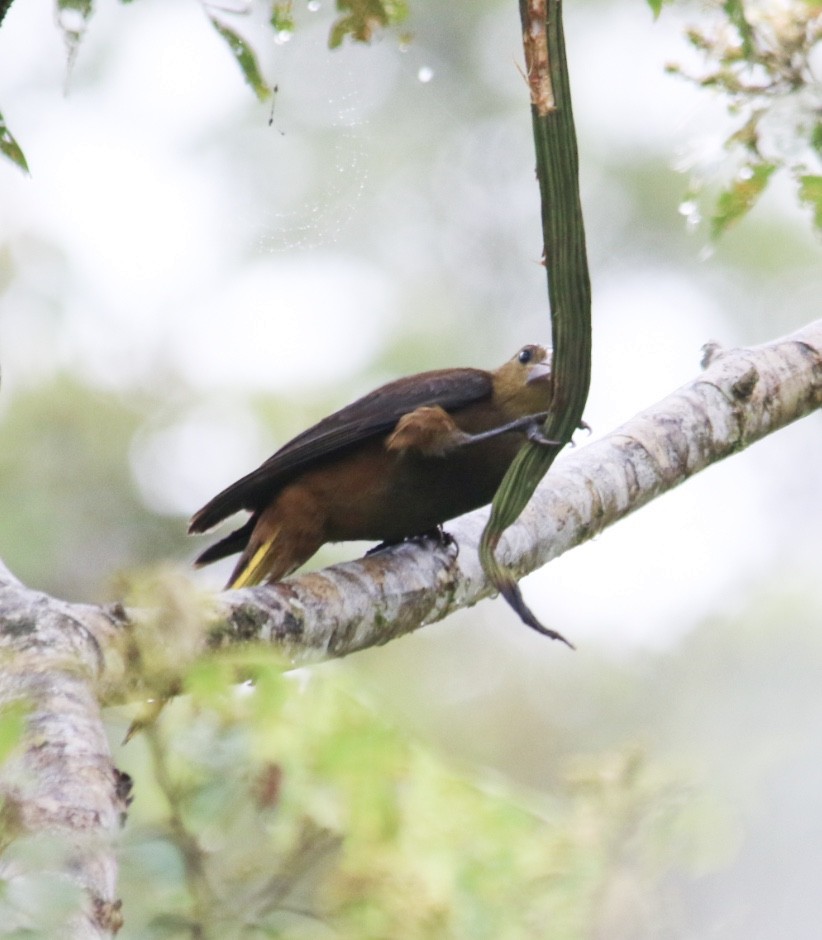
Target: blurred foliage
<point>361,19</point>
<point>758,57</point>
<point>740,196</point>
<point>71,512</point>
<point>38,902</point>
<point>282,16</point>
<point>10,148</point>
<point>246,58</point>
<point>288,808</point>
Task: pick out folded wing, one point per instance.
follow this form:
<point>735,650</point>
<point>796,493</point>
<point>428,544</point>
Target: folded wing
<point>375,413</point>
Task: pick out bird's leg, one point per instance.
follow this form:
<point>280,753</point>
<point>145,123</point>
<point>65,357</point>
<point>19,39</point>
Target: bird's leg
<point>530,425</point>
<point>432,432</point>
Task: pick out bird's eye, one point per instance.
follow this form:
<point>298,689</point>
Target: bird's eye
<point>526,355</point>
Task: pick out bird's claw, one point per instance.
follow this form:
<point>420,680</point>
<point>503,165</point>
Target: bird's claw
<point>438,535</point>
<point>534,434</point>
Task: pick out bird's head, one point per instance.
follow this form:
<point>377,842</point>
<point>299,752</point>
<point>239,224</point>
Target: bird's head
<point>523,385</point>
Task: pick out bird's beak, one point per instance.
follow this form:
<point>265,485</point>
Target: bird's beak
<point>540,372</point>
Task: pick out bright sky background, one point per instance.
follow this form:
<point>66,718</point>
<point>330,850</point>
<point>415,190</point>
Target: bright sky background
<point>194,236</point>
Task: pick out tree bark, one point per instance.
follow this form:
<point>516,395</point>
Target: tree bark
<point>62,781</point>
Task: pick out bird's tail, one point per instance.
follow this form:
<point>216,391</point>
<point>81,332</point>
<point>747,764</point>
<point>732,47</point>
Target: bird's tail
<point>258,564</point>
<point>254,563</point>
<point>283,538</point>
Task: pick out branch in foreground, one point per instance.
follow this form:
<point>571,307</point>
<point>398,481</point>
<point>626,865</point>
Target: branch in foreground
<point>742,396</point>
<point>63,781</point>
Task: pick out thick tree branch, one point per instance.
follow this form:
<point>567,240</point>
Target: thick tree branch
<point>742,396</point>
<point>61,781</point>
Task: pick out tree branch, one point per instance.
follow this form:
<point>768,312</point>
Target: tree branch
<point>61,781</point>
<point>742,396</point>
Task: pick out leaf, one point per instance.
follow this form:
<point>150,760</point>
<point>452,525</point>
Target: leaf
<point>569,294</point>
<point>10,148</point>
<point>810,192</point>
<point>735,12</point>
<point>363,18</point>
<point>246,59</point>
<point>282,16</point>
<point>741,196</point>
<point>656,6</point>
<point>527,470</point>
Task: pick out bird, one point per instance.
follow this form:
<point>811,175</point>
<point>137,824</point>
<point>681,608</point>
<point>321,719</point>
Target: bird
<point>393,465</point>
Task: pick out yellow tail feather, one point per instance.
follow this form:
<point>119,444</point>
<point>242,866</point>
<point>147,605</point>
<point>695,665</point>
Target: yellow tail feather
<point>255,571</point>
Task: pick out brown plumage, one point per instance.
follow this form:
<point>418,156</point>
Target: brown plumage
<point>394,464</point>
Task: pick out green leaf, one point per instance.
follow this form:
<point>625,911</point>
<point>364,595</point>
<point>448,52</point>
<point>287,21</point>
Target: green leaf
<point>741,196</point>
<point>656,7</point>
<point>816,137</point>
<point>282,16</point>
<point>735,12</point>
<point>810,192</point>
<point>246,59</point>
<point>208,680</point>
<point>10,148</point>
<point>363,18</point>
<point>569,291</point>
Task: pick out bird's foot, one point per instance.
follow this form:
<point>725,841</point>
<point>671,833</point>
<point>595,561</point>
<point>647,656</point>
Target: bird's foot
<point>438,535</point>
<point>533,432</point>
<point>440,538</point>
<point>529,425</point>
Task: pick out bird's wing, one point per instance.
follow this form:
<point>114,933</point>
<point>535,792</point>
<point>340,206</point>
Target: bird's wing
<point>375,413</point>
